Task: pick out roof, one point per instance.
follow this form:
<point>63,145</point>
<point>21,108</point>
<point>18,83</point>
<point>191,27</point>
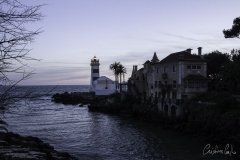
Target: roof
<point>195,77</point>
<point>155,58</point>
<point>147,62</point>
<point>103,78</point>
<point>182,56</point>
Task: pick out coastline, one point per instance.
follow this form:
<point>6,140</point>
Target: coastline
<point>16,147</point>
<point>214,122</point>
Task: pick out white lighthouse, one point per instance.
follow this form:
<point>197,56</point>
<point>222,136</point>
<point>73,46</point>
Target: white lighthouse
<point>100,85</point>
<point>94,69</point>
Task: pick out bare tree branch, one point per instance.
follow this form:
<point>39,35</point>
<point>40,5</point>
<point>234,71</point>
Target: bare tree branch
<point>15,36</point>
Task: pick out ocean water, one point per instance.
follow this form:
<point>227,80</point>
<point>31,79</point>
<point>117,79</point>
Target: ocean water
<point>88,135</point>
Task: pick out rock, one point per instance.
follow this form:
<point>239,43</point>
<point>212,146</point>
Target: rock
<point>14,146</point>
<point>74,98</point>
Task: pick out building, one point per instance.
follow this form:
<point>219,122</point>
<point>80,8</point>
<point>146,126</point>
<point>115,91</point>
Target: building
<point>100,85</point>
<point>94,69</point>
<point>169,82</point>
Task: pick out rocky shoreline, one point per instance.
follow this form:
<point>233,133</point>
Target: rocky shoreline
<point>218,123</point>
<point>74,98</point>
<point>16,147</point>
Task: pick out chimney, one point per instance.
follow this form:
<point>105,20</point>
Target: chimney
<point>136,68</point>
<point>199,51</point>
<point>189,50</point>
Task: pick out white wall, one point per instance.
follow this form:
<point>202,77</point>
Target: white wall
<point>104,86</point>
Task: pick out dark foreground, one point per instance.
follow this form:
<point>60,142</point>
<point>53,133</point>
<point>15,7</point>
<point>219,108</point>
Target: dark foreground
<point>16,147</point>
<point>213,115</point>
<point>94,135</point>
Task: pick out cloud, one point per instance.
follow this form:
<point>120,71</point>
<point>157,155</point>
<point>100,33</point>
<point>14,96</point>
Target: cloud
<point>181,37</point>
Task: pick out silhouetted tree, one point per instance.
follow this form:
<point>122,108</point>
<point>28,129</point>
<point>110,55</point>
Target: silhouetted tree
<point>234,32</point>
<point>231,74</point>
<point>216,62</point>
<point>114,68</point>
<point>118,70</point>
<point>14,38</point>
<point>121,71</point>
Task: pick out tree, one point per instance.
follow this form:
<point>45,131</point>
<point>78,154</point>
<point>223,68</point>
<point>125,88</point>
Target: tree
<point>234,32</point>
<point>223,70</point>
<point>216,62</point>
<point>121,70</point>
<point>114,68</point>
<point>231,74</point>
<point>14,38</point>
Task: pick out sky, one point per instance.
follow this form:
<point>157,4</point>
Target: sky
<point>126,31</point>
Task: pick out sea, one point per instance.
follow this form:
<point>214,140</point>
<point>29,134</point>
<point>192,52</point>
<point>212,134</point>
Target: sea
<point>95,136</point>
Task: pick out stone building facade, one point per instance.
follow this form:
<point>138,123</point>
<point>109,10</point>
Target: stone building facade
<point>169,82</point>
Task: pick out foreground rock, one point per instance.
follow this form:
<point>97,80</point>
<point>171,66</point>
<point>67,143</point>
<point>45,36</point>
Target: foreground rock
<point>16,147</point>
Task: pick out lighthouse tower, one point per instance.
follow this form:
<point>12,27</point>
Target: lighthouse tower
<point>94,71</point>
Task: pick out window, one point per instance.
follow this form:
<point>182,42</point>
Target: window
<point>190,84</point>
<point>94,78</point>
<point>164,69</point>
<point>174,69</point>
<point>156,84</point>
<point>95,70</point>
<point>197,84</point>
<point>159,84</point>
<point>194,67</point>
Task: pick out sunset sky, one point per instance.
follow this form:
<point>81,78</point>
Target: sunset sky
<point>128,31</point>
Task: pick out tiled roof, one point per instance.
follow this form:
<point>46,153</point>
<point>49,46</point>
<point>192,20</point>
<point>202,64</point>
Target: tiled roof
<point>182,56</point>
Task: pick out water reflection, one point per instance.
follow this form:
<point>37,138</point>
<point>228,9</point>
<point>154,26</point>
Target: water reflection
<point>92,135</point>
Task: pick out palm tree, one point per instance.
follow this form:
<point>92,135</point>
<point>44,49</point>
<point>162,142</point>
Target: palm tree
<point>121,71</point>
<point>114,67</point>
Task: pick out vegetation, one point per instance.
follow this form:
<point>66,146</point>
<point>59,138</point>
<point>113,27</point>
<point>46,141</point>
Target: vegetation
<point>15,36</point>
<point>215,115</point>
<point>234,32</point>
<point>223,70</point>
<point>119,72</point>
<point>114,68</point>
